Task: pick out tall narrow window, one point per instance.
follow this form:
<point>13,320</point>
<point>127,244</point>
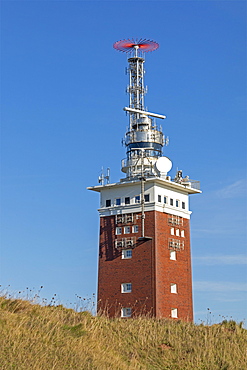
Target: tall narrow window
<point>177,232</point>
<point>118,230</point>
<point>137,199</point>
<point>146,197</point>
<point>171,202</point>
<point>182,233</point>
<point>127,200</point>
<point>183,205</point>
<point>159,198</point>
<point>174,313</point>
<point>118,201</point>
<point>108,203</point>
<point>135,229</point>
<point>126,229</point>
<point>165,200</point>
<point>173,288</point>
<point>173,255</point>
<point>177,203</point>
<point>172,230</point>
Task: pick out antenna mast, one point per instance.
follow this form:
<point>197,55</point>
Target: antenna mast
<point>144,141</point>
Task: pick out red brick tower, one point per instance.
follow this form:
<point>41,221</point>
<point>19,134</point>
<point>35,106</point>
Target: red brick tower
<point>144,249</point>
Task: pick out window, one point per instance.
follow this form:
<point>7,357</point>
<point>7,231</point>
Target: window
<point>172,231</point>
<point>173,255</point>
<point>174,313</point>
<point>171,202</point>
<point>135,229</point>
<point>137,199</point>
<point>126,253</point>
<point>126,229</point>
<point>177,203</point>
<point>159,198</point>
<point>118,202</point>
<point>126,288</point>
<point>182,233</point>
<point>127,200</point>
<point>146,197</point>
<point>174,288</point>
<point>177,232</point>
<point>118,230</point>
<point>108,203</point>
<point>165,200</point>
<point>126,312</point>
<point>183,205</point>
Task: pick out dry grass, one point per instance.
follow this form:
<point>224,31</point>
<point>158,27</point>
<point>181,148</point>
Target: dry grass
<point>48,337</point>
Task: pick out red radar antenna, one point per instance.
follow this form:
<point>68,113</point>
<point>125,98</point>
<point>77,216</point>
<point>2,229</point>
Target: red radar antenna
<point>128,45</point>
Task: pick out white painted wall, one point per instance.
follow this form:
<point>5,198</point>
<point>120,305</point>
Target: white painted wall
<point>152,188</point>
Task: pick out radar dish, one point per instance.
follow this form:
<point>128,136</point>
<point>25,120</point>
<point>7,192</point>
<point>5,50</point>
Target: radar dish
<point>129,45</point>
<point>163,164</point>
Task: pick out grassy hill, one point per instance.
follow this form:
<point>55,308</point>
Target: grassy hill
<point>49,337</point>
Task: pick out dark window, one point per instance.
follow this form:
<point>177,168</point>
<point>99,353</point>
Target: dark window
<point>127,200</point>
<point>165,200</point>
<point>171,202</point>
<point>146,197</point>
<point>177,203</point>
<point>108,203</point>
<point>159,198</point>
<point>118,202</point>
<point>183,205</point>
<point>137,199</point>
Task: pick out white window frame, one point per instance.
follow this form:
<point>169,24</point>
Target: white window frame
<point>182,233</point>
<point>174,313</point>
<point>137,199</point>
<point>125,252</point>
<point>116,202</point>
<point>173,255</point>
<point>126,288</point>
<point>177,232</point>
<point>174,289</point>
<point>135,229</point>
<point>118,230</point>
<point>146,196</point>
<point>126,312</point>
<point>127,229</point>
<point>172,231</point>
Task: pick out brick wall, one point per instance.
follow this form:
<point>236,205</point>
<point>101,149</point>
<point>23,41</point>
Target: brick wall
<point>150,270</point>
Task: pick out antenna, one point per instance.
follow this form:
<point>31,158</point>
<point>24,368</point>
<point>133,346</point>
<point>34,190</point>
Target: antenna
<point>136,49</point>
<point>102,177</point>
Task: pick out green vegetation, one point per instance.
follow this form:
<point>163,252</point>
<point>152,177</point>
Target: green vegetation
<point>54,337</point>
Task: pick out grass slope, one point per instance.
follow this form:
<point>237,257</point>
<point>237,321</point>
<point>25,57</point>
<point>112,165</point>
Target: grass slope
<point>49,337</point>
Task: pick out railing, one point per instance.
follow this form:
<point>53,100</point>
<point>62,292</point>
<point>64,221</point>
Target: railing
<point>176,244</point>
<point>125,243</point>
<point>124,219</point>
<point>175,220</point>
<point>194,184</point>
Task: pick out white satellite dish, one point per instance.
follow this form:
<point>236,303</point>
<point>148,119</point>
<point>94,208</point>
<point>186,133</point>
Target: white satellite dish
<point>163,164</point>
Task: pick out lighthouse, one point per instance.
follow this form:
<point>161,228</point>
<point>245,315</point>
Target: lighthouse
<point>144,265</point>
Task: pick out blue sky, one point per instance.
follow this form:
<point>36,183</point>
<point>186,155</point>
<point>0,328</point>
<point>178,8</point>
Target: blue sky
<point>62,94</point>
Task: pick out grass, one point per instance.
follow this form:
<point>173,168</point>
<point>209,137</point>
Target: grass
<point>54,337</point>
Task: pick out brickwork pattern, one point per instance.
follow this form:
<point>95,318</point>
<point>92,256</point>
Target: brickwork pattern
<point>150,270</point>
